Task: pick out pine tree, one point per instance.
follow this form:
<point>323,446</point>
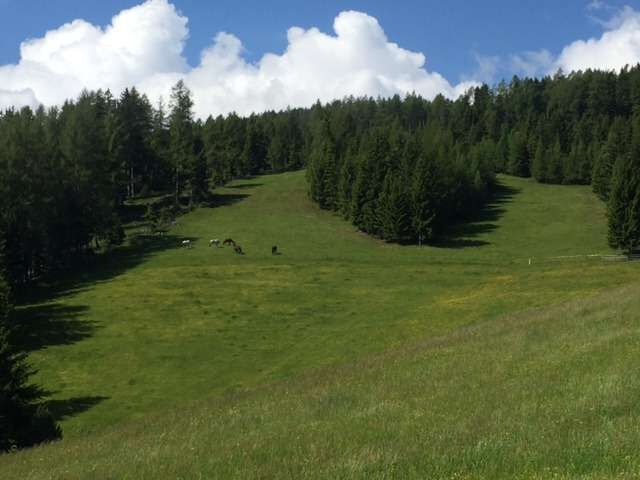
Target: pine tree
<point>555,163</point>
<point>181,136</point>
<point>502,153</point>
<point>321,172</point>
<point>606,159</point>
<point>23,422</point>
<point>539,166</point>
<point>130,142</point>
<point>601,176</point>
<point>160,139</point>
<point>345,184</point>
<point>571,167</point>
<point>624,203</point>
<point>426,198</point>
<point>518,155</point>
<point>329,184</point>
<point>393,209</point>
<point>254,153</point>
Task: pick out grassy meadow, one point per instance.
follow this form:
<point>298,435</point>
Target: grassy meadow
<point>504,351</point>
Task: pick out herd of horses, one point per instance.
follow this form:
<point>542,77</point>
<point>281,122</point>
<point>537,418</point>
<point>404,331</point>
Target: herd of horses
<point>229,242</point>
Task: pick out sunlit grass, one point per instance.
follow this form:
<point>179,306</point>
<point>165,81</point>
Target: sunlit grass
<point>152,337</point>
<point>548,393</point>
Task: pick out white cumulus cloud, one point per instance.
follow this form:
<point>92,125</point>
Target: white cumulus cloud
<point>143,47</point>
<point>618,46</point>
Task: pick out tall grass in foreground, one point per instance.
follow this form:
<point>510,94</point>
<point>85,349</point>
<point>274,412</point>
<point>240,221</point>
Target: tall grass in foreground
<point>548,393</point>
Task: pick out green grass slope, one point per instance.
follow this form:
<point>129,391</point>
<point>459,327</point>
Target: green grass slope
<point>550,393</point>
<point>159,327</point>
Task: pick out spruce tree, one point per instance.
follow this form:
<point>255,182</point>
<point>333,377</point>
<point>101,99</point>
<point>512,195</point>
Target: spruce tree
<point>601,176</point>
<point>539,166</point>
<point>624,203</point>
<point>555,163</point>
<point>426,198</point>
<point>181,137</point>
<point>345,184</point>
<point>393,209</point>
<point>23,421</point>
<point>518,155</point>
<point>624,200</point>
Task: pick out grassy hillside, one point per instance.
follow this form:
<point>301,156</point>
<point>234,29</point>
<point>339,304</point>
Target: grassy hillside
<point>159,328</point>
<point>550,393</point>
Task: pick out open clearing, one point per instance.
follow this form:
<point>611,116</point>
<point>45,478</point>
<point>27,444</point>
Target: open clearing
<point>453,359</point>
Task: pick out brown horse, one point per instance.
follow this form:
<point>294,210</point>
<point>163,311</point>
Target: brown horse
<point>229,241</point>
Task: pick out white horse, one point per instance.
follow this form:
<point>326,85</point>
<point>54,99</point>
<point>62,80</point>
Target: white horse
<point>214,243</point>
<point>186,243</point>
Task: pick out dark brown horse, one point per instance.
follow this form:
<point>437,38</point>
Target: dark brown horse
<point>229,241</point>
<point>274,250</point>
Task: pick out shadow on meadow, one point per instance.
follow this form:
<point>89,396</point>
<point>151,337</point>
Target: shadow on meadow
<point>41,326</point>
<point>69,407</point>
<point>41,321</point>
<point>92,269</point>
<point>215,200</point>
<point>243,186</point>
<point>466,234</point>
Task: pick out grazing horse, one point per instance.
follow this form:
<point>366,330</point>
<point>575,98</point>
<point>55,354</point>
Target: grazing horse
<point>214,243</point>
<point>238,250</point>
<point>229,241</point>
<point>274,250</point>
<point>186,243</point>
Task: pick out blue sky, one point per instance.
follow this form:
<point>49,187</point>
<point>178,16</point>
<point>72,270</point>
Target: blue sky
<point>449,32</point>
<point>453,35</point>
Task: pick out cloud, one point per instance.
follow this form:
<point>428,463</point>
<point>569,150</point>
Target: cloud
<point>618,46</point>
<point>143,47</point>
<point>532,63</point>
<point>488,68</point>
<point>596,5</point>
<point>18,99</point>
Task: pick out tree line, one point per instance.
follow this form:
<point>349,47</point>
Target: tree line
<point>65,173</point>
<point>406,169</point>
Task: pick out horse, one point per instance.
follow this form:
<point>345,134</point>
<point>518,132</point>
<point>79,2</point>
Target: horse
<point>214,243</point>
<point>238,250</point>
<point>186,243</point>
<point>274,250</point>
<point>229,241</point>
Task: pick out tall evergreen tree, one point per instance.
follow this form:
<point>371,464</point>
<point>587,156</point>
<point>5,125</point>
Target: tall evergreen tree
<point>23,421</point>
<point>160,139</point>
<point>624,201</point>
<point>130,142</point>
<point>181,137</point>
<point>393,209</point>
<point>539,167</point>
<point>518,155</point>
<point>426,199</point>
<point>601,176</point>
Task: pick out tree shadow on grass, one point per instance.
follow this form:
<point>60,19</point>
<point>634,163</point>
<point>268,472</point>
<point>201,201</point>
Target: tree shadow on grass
<point>91,270</point>
<point>223,199</point>
<point>41,326</point>
<point>64,409</point>
<point>466,233</point>
<point>41,322</point>
<point>243,186</point>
